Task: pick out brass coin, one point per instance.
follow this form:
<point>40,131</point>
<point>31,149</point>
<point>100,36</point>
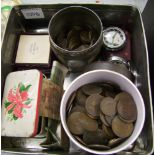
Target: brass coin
<point>121,129</point>
<point>78,108</point>
<point>115,142</point>
<point>81,97</point>
<point>85,37</point>
<point>108,106</point>
<point>93,105</point>
<point>109,119</point>
<point>91,89</point>
<point>88,123</point>
<point>126,107</point>
<point>94,137</point>
<point>74,123</point>
<point>98,147</point>
<point>102,118</point>
<point>108,132</point>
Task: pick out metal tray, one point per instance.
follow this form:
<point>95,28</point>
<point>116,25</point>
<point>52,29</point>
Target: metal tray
<point>127,17</point>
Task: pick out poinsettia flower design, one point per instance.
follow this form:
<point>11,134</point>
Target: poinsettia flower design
<point>17,100</point>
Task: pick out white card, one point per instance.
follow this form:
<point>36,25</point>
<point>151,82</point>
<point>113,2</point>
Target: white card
<point>33,49</point>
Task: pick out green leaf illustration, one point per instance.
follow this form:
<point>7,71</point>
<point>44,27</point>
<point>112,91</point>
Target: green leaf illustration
<point>22,87</point>
<point>28,101</point>
<point>14,117</point>
<point>7,104</point>
<point>11,110</point>
<point>27,88</point>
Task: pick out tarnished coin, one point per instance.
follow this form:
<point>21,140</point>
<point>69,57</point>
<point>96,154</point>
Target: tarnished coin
<point>107,87</point>
<point>109,94</point>
<point>88,123</point>
<point>108,106</point>
<point>98,147</point>
<point>123,96</point>
<point>81,97</point>
<point>82,47</point>
<point>73,34</point>
<point>108,132</point>
<point>94,137</point>
<point>115,141</point>
<point>74,123</point>
<point>85,37</point>
<point>124,120</point>
<point>91,89</point>
<point>73,43</point>
<point>121,129</point>
<point>109,119</point>
<point>93,105</point>
<point>102,118</point>
<point>78,108</point>
<point>127,108</point>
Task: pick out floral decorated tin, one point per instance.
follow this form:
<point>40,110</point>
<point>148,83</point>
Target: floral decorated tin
<point>20,104</point>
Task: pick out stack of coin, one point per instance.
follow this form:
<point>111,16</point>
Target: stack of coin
<point>100,115</point>
<point>77,38</point>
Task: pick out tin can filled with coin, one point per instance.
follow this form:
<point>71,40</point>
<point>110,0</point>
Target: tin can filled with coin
<point>75,36</point>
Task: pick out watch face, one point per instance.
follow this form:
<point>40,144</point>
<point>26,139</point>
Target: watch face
<point>113,38</point>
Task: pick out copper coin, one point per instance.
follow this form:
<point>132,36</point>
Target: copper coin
<point>109,119</point>
<point>108,132</point>
<point>85,37</point>
<point>102,118</point>
<point>74,123</point>
<point>88,123</point>
<point>93,105</point>
<point>121,129</point>
<point>124,120</point>
<point>107,87</point>
<point>123,96</point>
<point>91,89</point>
<point>81,97</point>
<point>78,108</point>
<point>94,137</point>
<point>108,106</point>
<point>126,107</point>
<point>110,94</point>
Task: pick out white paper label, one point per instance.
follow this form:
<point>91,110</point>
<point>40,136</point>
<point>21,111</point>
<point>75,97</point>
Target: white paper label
<point>34,13</point>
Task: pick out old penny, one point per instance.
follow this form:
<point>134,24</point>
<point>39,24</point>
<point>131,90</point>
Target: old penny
<point>109,119</point>
<point>108,106</point>
<point>102,118</point>
<point>78,108</point>
<point>81,97</point>
<point>108,132</point>
<point>91,89</point>
<point>93,104</point>
<point>120,128</point>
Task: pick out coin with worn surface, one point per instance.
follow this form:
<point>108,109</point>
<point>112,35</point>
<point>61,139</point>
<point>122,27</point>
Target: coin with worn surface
<point>81,97</point>
<point>78,108</point>
<point>109,93</point>
<point>94,137</point>
<point>91,89</point>
<point>85,37</point>
<point>74,123</point>
<point>108,132</point>
<point>109,119</point>
<point>123,96</point>
<point>102,118</point>
<point>93,105</point>
<point>127,108</point>
<point>88,123</point>
<point>108,106</point>
<point>121,129</point>
<point>107,87</point>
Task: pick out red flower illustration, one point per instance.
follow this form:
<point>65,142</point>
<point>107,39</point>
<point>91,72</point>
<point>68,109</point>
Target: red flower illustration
<point>18,100</point>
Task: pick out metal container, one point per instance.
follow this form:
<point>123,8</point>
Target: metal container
<point>75,16</point>
<point>127,17</point>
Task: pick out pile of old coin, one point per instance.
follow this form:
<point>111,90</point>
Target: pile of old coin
<point>100,115</point>
<point>77,38</point>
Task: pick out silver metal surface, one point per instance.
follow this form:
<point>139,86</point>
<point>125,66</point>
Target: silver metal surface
<point>127,17</point>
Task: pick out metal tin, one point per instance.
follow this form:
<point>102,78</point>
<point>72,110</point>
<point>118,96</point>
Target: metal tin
<point>127,17</point>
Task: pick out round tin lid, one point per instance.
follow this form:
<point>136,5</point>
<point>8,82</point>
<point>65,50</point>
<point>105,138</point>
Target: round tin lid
<point>114,38</point>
